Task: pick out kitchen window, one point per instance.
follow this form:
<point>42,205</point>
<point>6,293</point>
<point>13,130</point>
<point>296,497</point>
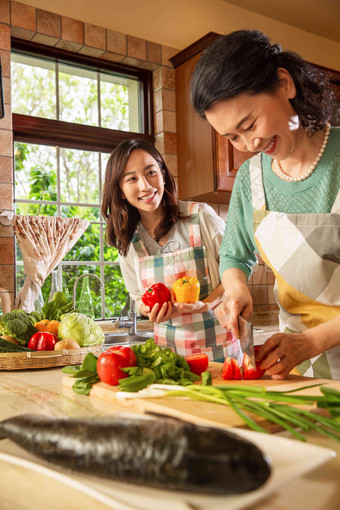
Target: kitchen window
<point>69,112</point>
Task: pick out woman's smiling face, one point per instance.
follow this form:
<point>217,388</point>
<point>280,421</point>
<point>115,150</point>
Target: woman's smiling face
<point>264,122</point>
<point>142,182</point>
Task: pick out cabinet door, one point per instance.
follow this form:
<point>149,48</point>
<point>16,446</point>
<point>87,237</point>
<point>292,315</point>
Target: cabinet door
<point>228,161</point>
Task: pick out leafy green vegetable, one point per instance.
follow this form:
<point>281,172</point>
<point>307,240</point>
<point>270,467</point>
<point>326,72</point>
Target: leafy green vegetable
<point>58,306</point>
<point>80,328</point>
<point>136,383</point>
<point>86,374</point>
<point>6,346</point>
<point>17,324</point>
<point>166,364</point>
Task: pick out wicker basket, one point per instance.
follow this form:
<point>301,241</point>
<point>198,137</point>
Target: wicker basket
<point>45,359</point>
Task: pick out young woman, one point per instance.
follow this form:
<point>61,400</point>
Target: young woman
<point>286,199</point>
<point>160,239</point>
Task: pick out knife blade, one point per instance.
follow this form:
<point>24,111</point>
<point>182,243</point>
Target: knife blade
<point>246,338</point>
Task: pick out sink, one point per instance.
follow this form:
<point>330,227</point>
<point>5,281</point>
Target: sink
<point>126,338</point>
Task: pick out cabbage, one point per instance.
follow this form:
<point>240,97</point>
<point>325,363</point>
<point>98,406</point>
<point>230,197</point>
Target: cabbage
<point>80,328</point>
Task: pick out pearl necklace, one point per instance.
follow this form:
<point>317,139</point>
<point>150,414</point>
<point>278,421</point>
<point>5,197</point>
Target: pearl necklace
<point>310,170</point>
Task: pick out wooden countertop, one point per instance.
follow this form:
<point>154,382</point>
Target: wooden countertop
<point>41,391</point>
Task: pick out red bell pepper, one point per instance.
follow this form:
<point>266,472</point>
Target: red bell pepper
<point>250,372</point>
<point>231,370</point>
<point>157,293</point>
<point>42,341</point>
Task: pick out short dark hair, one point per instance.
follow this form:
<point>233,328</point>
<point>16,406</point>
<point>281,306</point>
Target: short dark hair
<point>122,217</point>
<point>245,61</point>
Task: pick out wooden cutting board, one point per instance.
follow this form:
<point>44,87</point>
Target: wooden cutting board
<point>102,395</point>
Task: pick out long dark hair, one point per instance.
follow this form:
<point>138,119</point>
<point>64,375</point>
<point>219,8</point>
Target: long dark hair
<point>121,217</point>
<point>246,61</point>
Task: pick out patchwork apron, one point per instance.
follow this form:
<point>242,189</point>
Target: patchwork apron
<point>303,251</point>
<point>189,333</point>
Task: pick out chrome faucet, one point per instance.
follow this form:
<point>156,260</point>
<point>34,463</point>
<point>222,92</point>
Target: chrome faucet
<point>131,321</point>
<point>77,280</point>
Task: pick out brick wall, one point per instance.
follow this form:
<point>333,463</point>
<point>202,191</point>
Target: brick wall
<point>28,23</point>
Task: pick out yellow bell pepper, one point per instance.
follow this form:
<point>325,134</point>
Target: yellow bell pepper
<point>186,289</point>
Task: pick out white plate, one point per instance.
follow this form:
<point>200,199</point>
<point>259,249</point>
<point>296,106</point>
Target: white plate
<point>290,459</point>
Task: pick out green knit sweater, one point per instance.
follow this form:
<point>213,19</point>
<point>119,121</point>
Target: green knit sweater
<point>314,195</point>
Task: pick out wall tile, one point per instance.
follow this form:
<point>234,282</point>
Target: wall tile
<point>159,143</point>
<point>167,53</point>
<point>170,143</point>
<point>158,100</point>
<point>154,52</point>
<point>7,250</point>
<point>271,298</point>
<point>159,122</point>
<point>116,42</point>
<point>91,52</point>
<point>259,277</point>
<point>6,196</point>
<point>7,90</point>
<point>169,100</point>
<point>72,30</point>
<point>4,11</point>
<point>6,169</point>
<point>168,78</point>
<point>22,33</point>
<point>131,61</point>
<point>169,121</point>
<point>5,37</point>
<point>69,46</point>
<point>5,63</point>
<point>172,164</point>
<point>157,79</point>
<point>113,57</point>
<point>95,36</point>
<point>259,293</point>
<point>136,47</point>
<point>273,307</point>
<point>49,23</point>
<point>6,277</point>
<point>270,277</point>
<point>6,231</point>
<point>6,122</point>
<point>23,16</point>
<point>47,40</point>
<point>6,301</point>
<point>150,66</point>
<point>6,143</point>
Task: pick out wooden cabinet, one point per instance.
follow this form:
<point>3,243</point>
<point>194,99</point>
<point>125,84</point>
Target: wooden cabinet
<point>207,162</point>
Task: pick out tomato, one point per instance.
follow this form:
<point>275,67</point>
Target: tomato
<point>231,370</point>
<point>198,363</point>
<point>126,352</point>
<point>42,341</point>
<point>157,293</point>
<point>109,365</point>
<point>248,370</point>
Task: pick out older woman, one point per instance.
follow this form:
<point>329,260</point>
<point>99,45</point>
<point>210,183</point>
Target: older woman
<point>285,203</point>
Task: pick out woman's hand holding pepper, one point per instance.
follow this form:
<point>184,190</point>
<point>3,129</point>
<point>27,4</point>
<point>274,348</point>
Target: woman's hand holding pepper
<point>157,313</point>
<point>282,352</point>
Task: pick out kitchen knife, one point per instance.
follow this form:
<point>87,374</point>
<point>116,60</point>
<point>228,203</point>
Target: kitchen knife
<point>246,338</point>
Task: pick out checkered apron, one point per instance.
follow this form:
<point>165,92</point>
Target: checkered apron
<point>303,251</point>
<point>189,333</point>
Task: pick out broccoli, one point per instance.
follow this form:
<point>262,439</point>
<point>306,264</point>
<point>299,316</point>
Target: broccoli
<point>17,324</point>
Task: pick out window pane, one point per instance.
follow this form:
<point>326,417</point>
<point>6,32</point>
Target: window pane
<point>78,95</point>
<point>35,171</point>
<point>87,248</point>
<point>71,273</point>
<point>79,176</point>
<point>33,86</point>
<point>36,209</point>
<point>115,291</point>
<point>119,101</point>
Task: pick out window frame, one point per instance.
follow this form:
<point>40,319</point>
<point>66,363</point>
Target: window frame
<point>56,133</point>
<point>79,136</point>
